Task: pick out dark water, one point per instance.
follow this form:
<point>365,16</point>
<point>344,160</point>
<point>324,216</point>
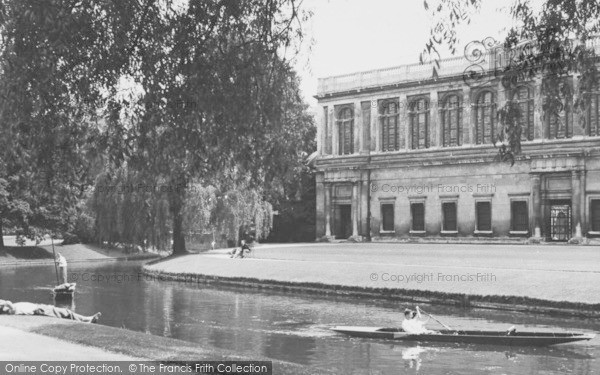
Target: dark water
<point>295,328</point>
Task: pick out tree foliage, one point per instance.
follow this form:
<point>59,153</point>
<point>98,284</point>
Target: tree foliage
<point>56,60</point>
<point>130,210</point>
<point>172,92</point>
<point>211,79</point>
<point>552,42</point>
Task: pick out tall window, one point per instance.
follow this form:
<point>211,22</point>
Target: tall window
<point>345,124</point>
<point>593,114</point>
<point>558,120</point>
<point>519,216</point>
<point>387,217</point>
<point>389,127</point>
<point>523,96</point>
<point>419,123</point>
<point>484,216</point>
<point>485,117</point>
<point>595,215</point>
<point>452,121</point>
<point>449,216</point>
<point>417,211</point>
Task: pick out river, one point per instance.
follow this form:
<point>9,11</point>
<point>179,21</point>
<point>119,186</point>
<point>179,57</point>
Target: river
<point>295,327</point>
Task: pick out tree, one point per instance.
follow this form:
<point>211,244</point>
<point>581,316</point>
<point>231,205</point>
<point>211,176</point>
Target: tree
<point>210,79</point>
<point>57,61</point>
<point>130,210</point>
<point>550,43</point>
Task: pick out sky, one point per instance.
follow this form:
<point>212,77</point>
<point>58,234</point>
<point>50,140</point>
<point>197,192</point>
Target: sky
<point>357,35</point>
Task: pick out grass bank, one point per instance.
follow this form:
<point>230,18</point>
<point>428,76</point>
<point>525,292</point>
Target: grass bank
<point>137,344</point>
<point>494,302</point>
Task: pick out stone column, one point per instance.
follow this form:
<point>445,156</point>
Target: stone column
<point>355,202</point>
<point>467,120</point>
<point>538,112</point>
<point>334,132</point>
<point>536,203</point>
<point>358,124</point>
<point>365,136</point>
<point>435,136</point>
<point>330,130</point>
<point>321,134</point>
<point>375,128</point>
<point>321,207</point>
<point>576,204</point>
<point>402,122</point>
<point>364,204</point>
<point>328,208</point>
<point>405,119</point>
<point>584,221</point>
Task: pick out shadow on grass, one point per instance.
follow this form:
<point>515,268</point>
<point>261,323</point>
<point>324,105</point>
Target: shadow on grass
<point>156,348</point>
<point>25,252</point>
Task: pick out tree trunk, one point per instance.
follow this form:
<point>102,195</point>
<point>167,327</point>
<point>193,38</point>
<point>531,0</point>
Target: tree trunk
<point>1,235</point>
<point>176,202</point>
<point>178,237</point>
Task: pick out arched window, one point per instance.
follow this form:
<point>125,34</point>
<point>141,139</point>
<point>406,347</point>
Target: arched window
<point>389,126</point>
<point>452,121</point>
<point>419,123</point>
<point>345,124</point>
<point>523,96</point>
<point>485,117</point>
<point>593,114</point>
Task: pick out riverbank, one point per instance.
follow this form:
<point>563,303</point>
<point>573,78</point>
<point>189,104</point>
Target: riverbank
<point>31,255</point>
<point>42,339</point>
<point>562,280</point>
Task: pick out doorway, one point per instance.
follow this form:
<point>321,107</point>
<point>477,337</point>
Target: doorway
<point>343,221</point>
<point>560,220</point>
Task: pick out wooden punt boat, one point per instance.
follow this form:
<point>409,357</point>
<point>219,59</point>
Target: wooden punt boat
<point>467,337</point>
<point>66,290</point>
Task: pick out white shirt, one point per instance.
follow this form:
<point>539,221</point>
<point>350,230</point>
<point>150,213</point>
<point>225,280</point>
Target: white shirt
<point>25,308</point>
<point>414,326</point>
<point>61,261</point>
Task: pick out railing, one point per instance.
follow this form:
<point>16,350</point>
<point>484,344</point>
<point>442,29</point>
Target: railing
<point>388,76</point>
<point>490,58</point>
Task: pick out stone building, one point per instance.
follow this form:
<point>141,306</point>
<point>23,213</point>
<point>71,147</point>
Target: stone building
<point>407,152</point>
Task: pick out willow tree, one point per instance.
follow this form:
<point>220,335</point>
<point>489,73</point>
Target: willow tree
<point>58,59</point>
<point>551,42</point>
<point>209,80</point>
<point>230,212</point>
<point>130,210</point>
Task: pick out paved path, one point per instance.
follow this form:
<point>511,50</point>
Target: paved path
<point>18,345</point>
<point>549,272</point>
<point>42,253</point>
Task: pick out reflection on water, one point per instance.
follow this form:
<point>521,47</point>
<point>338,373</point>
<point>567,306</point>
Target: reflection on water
<point>296,328</point>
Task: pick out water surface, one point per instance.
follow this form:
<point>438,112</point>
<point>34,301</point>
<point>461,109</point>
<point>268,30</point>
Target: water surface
<point>295,328</point>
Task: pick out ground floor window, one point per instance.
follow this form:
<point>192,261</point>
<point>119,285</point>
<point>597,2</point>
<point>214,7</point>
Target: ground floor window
<point>595,215</point>
<point>484,216</point>
<point>519,216</point>
<point>387,217</point>
<point>449,216</point>
<point>417,211</point>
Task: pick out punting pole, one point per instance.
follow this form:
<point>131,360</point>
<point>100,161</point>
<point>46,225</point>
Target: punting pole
<point>434,318</point>
<point>55,266</point>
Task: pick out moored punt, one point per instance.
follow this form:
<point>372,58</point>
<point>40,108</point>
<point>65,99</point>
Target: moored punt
<point>66,290</point>
<point>467,337</point>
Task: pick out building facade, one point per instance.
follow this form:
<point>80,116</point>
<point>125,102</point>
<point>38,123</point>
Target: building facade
<point>407,152</point>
